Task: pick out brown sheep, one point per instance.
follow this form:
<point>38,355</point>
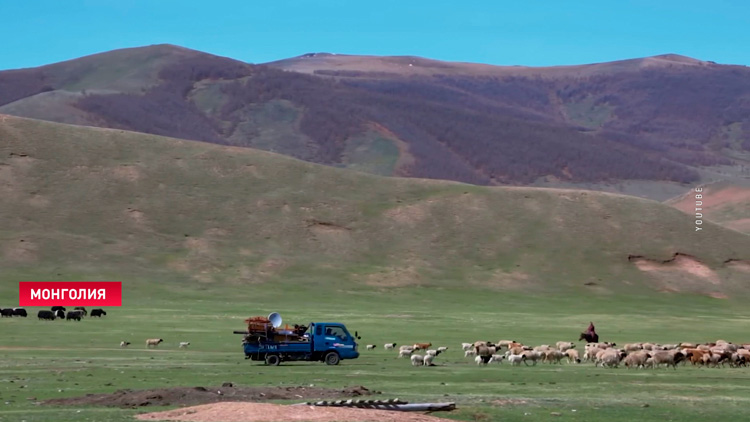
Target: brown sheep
<point>669,358</point>
<point>636,359</point>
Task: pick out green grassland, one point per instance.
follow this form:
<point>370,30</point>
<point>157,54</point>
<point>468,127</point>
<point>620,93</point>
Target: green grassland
<point>203,236</point>
<point>54,359</point>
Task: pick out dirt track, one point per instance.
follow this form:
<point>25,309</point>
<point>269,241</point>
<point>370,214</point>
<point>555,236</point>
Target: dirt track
<point>266,412</point>
<point>190,396</point>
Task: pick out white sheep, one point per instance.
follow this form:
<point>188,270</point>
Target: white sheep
<point>428,360</point>
<point>497,359</point>
<point>515,360</point>
<point>124,343</point>
<point>469,353</point>
<point>610,358</point>
<point>533,356</point>
<point>479,361</point>
<point>442,349</point>
<point>184,344</point>
<point>417,360</point>
<point>389,346</point>
<point>405,353</point>
<point>370,346</point>
<point>466,346</point>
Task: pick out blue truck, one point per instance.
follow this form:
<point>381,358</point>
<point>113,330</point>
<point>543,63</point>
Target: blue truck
<point>328,342</point>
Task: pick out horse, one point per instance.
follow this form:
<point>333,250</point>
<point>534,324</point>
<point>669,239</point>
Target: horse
<point>589,337</point>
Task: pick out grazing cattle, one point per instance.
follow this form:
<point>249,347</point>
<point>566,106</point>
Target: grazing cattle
<point>184,344</point>
<point>153,342</point>
<point>82,309</point>
<point>98,313</point>
<point>58,308</point>
<point>370,346</point>
<point>76,315</point>
<point>7,312</point>
<point>46,315</point>
<point>124,343</point>
<point>60,314</point>
<point>19,312</point>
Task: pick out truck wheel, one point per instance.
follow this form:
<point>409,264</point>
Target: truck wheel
<point>273,360</point>
<point>332,358</point>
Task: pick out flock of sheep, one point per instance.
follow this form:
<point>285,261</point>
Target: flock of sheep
<point>153,342</point>
<point>605,354</point>
<point>59,312</point>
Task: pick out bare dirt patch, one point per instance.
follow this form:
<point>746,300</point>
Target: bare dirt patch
<point>681,273</point>
<point>191,396</point>
<point>679,263</point>
<point>738,264</point>
<point>265,412</point>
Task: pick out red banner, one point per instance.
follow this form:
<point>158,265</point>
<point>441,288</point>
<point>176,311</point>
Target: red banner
<point>70,293</point>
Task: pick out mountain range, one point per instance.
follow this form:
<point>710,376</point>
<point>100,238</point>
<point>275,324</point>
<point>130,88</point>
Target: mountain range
<point>652,127</point>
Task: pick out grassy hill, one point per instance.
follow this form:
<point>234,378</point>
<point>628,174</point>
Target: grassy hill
<point>651,126</point>
<point>89,203</point>
<point>204,236</point>
<point>725,203</point>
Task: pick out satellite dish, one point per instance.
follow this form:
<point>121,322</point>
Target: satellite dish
<point>275,319</point>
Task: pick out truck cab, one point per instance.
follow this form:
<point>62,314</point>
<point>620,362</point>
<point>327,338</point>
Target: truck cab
<point>333,336</point>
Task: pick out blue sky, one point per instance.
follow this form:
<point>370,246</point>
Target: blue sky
<point>534,33</point>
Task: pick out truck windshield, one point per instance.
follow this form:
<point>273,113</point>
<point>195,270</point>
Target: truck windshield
<point>339,332</point>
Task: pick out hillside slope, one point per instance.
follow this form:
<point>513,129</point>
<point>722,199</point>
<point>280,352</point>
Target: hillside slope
<point>725,203</point>
<point>89,203</point>
<point>649,127</point>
